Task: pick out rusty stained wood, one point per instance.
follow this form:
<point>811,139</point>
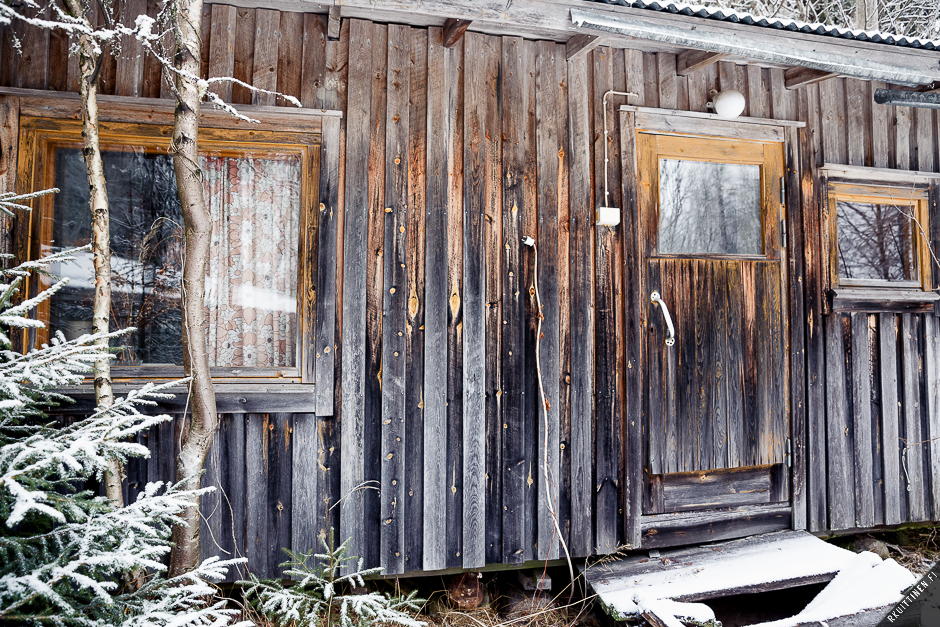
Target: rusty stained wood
<point>454,30</point>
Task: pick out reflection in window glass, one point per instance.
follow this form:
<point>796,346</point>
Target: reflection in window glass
<point>707,207</point>
<point>875,241</point>
<point>251,283</point>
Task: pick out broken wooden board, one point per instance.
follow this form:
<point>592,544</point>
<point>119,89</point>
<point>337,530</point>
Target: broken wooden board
<point>772,561</point>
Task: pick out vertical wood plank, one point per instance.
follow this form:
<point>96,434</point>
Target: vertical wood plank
<point>861,394</point>
<point>455,216</point>
<point>58,60</point>
<point>757,92</point>
<point>323,345</point>
<point>750,344</point>
<point>550,150</point>
<point>925,143</point>
<point>785,107</point>
<point>564,297</point>
<point>414,325</point>
<point>290,56</point>
<point>607,465</point>
<point>313,72</point>
<point>668,90</point>
<point>650,79</point>
<point>305,479</point>
<point>890,416</point>
<point>705,359</point>
<point>808,103</point>
<point>265,59</point>
<point>633,68</point>
<point>881,118</point>
<point>354,288</point>
<point>718,371</point>
<point>903,134</point>
<point>488,542</point>
<point>833,127</point>
<point>582,332</point>
<point>734,373</point>
<point>256,492</point>
<point>514,468</point>
<point>395,297</point>
<point>375,290</point>
<point>222,47</point>
<point>529,224</point>
<point>480,57</point>
<point>32,65</point>
<point>440,145</point>
<point>656,368</point>
<point>838,434</point>
<point>932,376</point>
<point>912,453</point>
<point>858,114</point>
<point>9,143</point>
<point>243,68</point>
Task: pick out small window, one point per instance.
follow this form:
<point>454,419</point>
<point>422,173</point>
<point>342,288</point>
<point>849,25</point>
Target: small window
<point>259,197</point>
<point>878,226</point>
<point>714,196</point>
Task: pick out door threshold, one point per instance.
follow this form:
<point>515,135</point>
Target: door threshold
<point>685,528</point>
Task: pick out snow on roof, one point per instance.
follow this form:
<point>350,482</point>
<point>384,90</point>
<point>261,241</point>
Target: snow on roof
<point>723,14</point>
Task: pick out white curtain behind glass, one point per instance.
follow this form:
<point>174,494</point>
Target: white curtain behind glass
<point>251,286</point>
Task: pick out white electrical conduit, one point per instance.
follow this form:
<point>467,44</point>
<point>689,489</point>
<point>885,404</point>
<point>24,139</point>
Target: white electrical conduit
<point>607,138</point>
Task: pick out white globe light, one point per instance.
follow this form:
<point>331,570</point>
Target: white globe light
<point>729,104</point>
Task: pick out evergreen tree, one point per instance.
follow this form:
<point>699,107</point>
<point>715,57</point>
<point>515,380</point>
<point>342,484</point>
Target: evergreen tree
<point>64,551</point>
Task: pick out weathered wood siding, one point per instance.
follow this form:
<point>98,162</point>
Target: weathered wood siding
<point>437,453</point>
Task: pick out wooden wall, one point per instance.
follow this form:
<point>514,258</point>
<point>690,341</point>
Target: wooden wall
<point>436,451</point>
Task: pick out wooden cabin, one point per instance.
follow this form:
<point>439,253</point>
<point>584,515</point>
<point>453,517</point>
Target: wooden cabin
<point>383,336</point>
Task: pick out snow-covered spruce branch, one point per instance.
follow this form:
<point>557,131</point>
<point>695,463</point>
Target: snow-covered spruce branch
<point>11,200</point>
<point>318,597</point>
<point>65,552</point>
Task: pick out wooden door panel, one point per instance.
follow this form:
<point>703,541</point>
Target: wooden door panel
<point>718,396</point>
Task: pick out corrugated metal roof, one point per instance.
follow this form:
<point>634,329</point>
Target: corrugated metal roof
<point>729,15</point>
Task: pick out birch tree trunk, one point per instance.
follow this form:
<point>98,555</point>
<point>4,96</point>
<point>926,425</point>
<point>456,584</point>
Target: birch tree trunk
<point>200,428</point>
<point>100,234</point>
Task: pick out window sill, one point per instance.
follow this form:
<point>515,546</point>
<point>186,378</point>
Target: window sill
<point>231,398</point>
<point>870,299</point>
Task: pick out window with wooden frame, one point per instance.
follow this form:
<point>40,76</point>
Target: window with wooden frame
<point>714,194</point>
<point>260,188</point>
<point>877,239</point>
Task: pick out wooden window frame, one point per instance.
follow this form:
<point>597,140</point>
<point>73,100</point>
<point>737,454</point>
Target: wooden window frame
<point>758,149</point>
<point>877,185</point>
<point>40,136</point>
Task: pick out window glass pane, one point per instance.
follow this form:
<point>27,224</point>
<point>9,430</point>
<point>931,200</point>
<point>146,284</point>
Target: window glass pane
<point>875,241</point>
<point>251,282</point>
<point>707,207</point>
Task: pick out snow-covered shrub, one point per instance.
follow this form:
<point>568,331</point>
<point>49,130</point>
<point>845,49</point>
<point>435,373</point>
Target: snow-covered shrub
<point>322,595</point>
<point>66,555</point>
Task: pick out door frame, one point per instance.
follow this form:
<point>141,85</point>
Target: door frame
<point>636,310</point>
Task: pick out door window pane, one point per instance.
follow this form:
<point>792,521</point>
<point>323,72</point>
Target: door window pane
<point>707,207</point>
<point>875,241</point>
<point>251,283</point>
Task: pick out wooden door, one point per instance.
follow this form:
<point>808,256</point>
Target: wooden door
<point>717,399</point>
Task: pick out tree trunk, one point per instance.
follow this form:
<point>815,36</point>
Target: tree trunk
<point>866,14</point>
<point>100,236</point>
<point>200,428</point>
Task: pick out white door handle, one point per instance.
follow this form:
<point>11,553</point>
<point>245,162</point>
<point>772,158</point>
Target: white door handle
<point>658,300</point>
